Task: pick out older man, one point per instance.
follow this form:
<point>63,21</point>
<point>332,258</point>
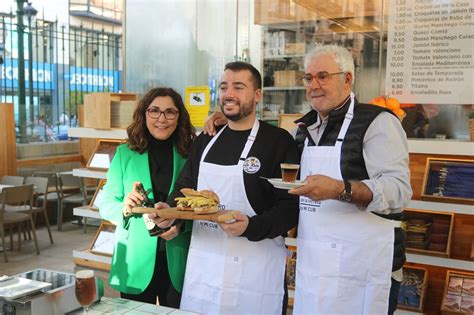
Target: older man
<point>355,164</point>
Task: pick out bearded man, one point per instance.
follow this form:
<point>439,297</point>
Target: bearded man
<point>239,267</point>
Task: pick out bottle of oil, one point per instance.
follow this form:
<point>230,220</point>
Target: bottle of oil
<point>153,229</point>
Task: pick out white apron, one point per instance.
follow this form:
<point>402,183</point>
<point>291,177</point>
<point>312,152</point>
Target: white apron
<point>231,275</point>
<point>345,254</point>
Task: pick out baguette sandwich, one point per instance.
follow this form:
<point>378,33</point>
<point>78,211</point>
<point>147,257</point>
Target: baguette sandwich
<point>201,202</point>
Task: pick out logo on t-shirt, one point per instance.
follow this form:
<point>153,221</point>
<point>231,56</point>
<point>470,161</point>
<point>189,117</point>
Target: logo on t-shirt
<point>251,165</point>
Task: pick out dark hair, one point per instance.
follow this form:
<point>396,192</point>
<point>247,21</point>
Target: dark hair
<point>137,131</point>
<point>239,66</point>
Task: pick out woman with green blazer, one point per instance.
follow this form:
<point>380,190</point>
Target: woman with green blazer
<point>145,267</point>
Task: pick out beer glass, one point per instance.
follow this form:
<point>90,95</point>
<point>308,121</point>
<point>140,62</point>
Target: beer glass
<point>85,288</point>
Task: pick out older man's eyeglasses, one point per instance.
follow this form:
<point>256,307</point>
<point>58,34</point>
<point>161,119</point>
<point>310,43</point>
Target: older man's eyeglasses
<point>155,113</point>
<point>321,77</point>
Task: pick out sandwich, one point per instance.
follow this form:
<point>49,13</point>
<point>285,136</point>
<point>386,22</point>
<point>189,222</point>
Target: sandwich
<point>201,202</point>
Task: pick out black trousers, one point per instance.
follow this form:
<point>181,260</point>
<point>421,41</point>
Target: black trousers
<point>285,298</point>
<point>393,298</point>
<point>160,285</point>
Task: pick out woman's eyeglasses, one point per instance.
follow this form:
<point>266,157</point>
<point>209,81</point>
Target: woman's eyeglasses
<point>155,113</point>
<point>321,77</point>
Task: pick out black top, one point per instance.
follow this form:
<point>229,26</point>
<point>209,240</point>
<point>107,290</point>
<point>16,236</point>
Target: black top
<point>160,159</point>
<point>277,211</point>
<point>352,162</point>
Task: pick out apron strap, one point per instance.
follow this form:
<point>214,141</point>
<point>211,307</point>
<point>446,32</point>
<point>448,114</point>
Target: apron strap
<point>346,123</point>
<point>209,145</point>
<point>250,141</point>
<point>248,144</point>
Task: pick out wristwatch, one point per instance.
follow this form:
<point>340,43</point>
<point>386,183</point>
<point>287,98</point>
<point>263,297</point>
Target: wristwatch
<point>346,195</point>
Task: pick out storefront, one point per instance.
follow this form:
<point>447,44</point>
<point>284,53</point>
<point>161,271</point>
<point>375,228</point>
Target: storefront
<point>419,52</point>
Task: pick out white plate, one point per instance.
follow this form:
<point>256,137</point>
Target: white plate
<point>279,183</point>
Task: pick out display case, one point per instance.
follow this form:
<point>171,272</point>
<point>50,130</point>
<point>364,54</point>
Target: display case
<point>449,180</point>
<point>411,295</point>
<point>460,239</point>
<point>103,154</point>
<point>291,270</point>
<point>103,242</point>
<point>291,267</point>
<point>458,296</point>
<point>95,201</point>
<point>428,232</point>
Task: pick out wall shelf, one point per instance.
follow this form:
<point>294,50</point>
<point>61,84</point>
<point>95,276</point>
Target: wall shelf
<point>81,132</point>
<point>283,88</point>
<point>290,241</point>
<point>442,207</point>
<point>278,57</point>
<point>85,172</point>
<point>440,261</point>
<point>421,259</point>
<point>432,146</point>
<point>87,259</point>
<point>404,312</point>
<point>85,211</point>
<point>85,254</point>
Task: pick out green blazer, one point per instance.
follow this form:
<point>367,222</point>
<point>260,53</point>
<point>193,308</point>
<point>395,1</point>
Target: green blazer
<point>133,260</point>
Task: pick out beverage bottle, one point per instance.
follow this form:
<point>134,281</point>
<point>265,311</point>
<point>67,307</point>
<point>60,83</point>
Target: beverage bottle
<point>153,229</point>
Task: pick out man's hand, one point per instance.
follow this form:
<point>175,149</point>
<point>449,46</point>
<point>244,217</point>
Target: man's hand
<point>237,227</point>
<point>171,233</point>
<point>216,119</point>
<point>162,223</point>
<point>319,187</point>
<point>133,199</point>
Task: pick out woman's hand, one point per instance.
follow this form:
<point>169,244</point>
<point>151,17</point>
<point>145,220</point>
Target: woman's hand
<point>133,199</point>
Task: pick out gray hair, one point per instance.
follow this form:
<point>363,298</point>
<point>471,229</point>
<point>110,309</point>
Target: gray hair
<point>341,55</point>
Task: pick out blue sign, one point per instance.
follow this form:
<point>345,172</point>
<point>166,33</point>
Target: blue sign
<point>92,80</point>
<point>43,74</point>
<point>44,77</point>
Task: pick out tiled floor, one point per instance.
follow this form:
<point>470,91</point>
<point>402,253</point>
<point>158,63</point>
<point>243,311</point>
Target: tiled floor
<point>57,256</point>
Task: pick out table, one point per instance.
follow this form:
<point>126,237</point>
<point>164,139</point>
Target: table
<point>123,306</point>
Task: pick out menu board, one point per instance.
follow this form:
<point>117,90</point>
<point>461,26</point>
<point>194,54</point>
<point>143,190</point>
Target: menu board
<point>430,53</point>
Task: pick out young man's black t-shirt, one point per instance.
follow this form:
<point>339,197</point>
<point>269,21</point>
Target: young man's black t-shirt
<point>277,211</point>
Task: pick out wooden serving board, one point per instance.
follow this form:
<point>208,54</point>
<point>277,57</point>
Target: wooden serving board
<point>143,210</point>
<point>174,213</point>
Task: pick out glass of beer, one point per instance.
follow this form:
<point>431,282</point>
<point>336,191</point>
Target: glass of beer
<point>85,288</point>
<point>289,172</point>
